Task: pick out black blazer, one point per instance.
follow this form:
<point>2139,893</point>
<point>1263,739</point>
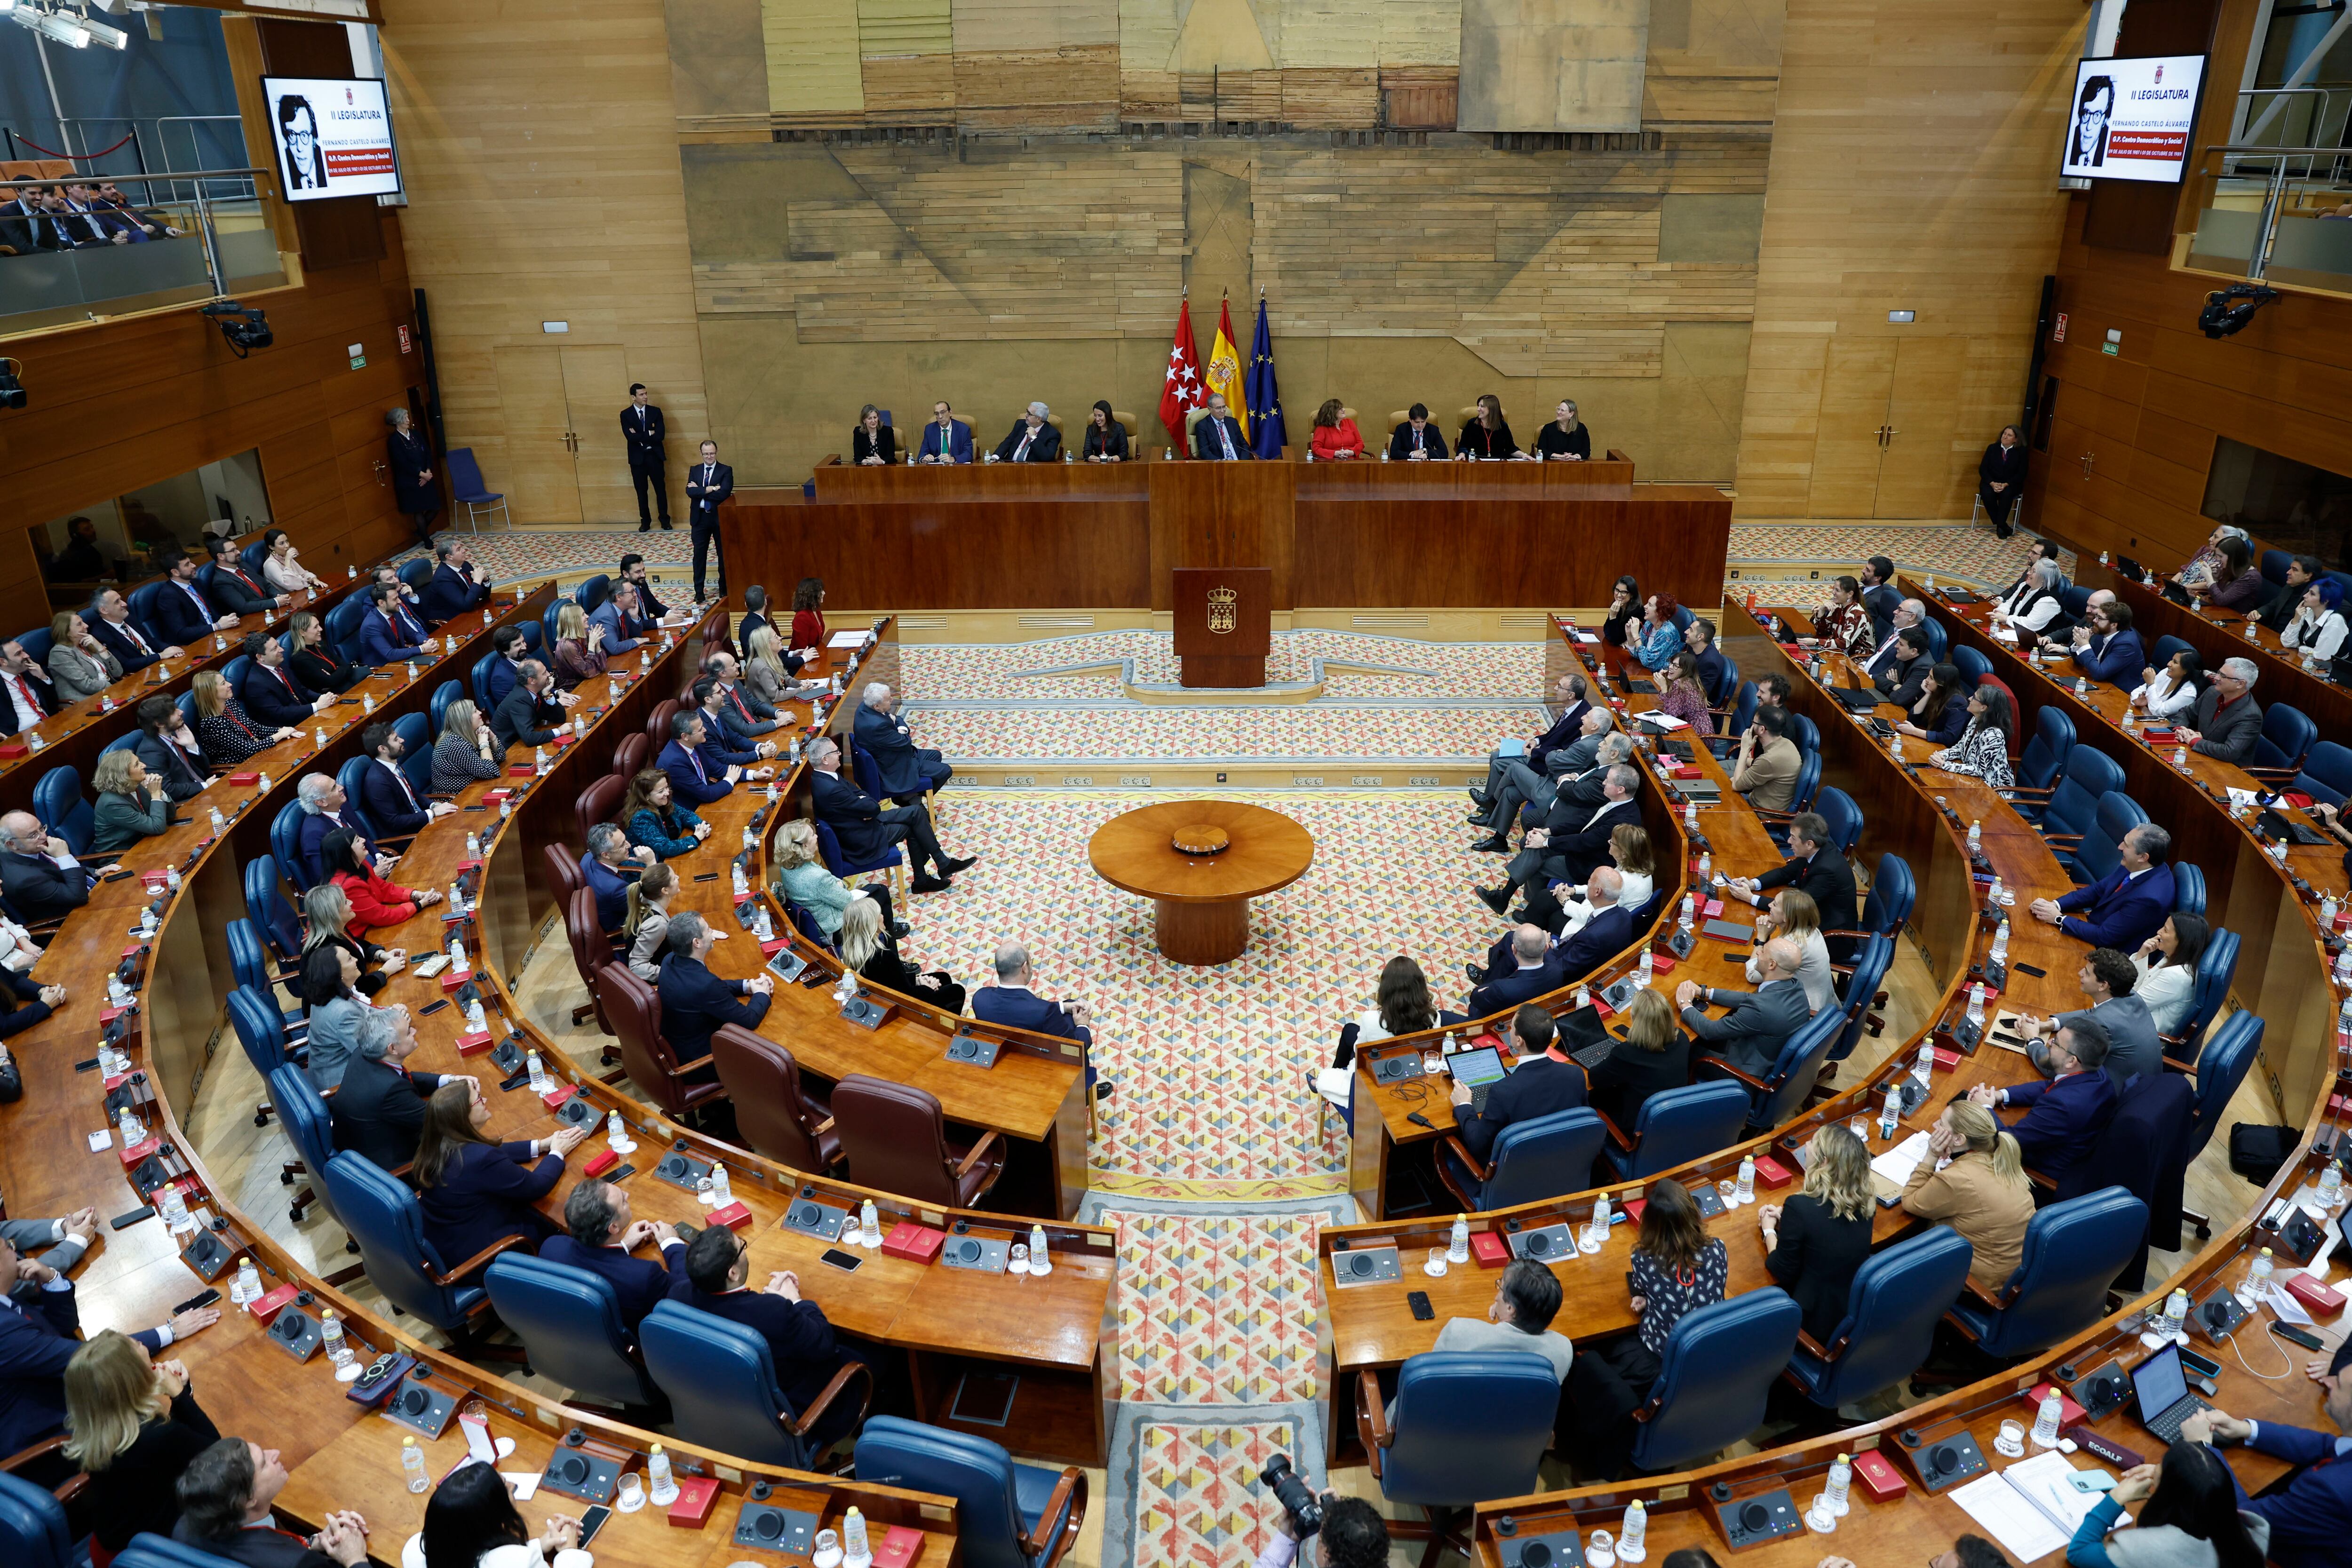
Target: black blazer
<point>1046,446</point>
<point>117,641</point>
<point>2005,464</point>
<point>137,1491</point>
<point>639,1283</point>
<point>389,806</point>
<point>270,702</point>
<point>489,1190</point>
<point>799,1338</point>
<point>1629,1075</point>
<point>409,458</point>
<point>1816,1260</point>
<point>45,693</point>
<point>321,669</point>
<point>180,774</point>
<point>450,593</point>
<point>1827,880</point>
<point>1901,682</point>
<point>695,1002</point>
<point>1536,1088</point>
<point>266,1548</point>
<point>1401,441</point>
<point>523,720</point>
<point>646,437</point>
<point>38,889</point>
<point>1517,986</point>
<point>1577,854</point>
<point>886,968</point>
<point>234,593</point>
<point>884,441</point>
<point>1477,441</point>
<point>1110,441</point>
<point>855,816</point>
<point>176,616</point>
<point>701,498</point>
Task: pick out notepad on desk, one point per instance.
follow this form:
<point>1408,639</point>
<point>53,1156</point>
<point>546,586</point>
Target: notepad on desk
<point>1897,1164</point>
<point>846,639</point>
<point>2030,1508</point>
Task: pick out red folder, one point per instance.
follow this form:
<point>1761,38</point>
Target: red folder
<point>897,1548</point>
<point>1490,1249</point>
<point>1771,1173</point>
<point>471,1044</point>
<point>735,1215</point>
<point>244,779</point>
<point>915,1243</point>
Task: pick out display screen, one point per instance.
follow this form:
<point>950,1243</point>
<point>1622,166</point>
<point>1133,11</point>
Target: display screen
<point>2131,119</point>
<point>333,136</point>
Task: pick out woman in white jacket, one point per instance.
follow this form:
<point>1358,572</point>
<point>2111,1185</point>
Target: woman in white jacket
<point>2318,625</point>
<point>2167,963</point>
<point>471,1522</point>
<point>2174,689</point>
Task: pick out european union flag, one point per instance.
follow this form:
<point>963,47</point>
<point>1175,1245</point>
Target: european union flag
<point>1267,437</point>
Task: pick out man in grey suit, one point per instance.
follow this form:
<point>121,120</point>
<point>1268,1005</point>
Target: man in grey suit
<point>2227,720</point>
<point>1570,692</point>
<point>1567,800</point>
<point>65,1240</point>
<point>2106,977</point>
<point>1760,1021</point>
<point>1521,784</point>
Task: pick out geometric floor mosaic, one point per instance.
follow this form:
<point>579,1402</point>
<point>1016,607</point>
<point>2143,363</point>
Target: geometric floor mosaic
<point>1195,1497</point>
<point>1217,1309</point>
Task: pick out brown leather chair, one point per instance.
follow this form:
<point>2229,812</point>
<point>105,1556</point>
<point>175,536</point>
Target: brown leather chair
<point>657,726</point>
<point>600,802</point>
<point>629,758</point>
<point>592,949</point>
<point>635,1009</point>
<point>774,1110</point>
<point>896,1140</point>
<point>563,866</point>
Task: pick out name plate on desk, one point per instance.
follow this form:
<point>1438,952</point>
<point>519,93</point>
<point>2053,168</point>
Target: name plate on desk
<point>770,1528</point>
<point>810,1218</point>
<point>974,1050</point>
<point>1366,1264</point>
<point>681,1170</point>
<point>575,1472</point>
<point>979,1253</point>
<point>423,1408</point>
<point>1398,1067</point>
<point>1544,1243</point>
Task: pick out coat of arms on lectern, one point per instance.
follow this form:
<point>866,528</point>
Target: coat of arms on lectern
<point>1221,609</point>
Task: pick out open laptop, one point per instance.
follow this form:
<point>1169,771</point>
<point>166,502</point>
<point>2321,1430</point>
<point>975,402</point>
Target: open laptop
<point>2165,1401</point>
<point>1864,698</point>
<point>1583,1038</point>
<point>1481,1067</point>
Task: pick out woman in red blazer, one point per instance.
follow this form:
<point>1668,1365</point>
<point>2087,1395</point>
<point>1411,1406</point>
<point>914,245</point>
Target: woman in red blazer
<point>1336,437</point>
<point>375,901</point>
<point>808,614</point>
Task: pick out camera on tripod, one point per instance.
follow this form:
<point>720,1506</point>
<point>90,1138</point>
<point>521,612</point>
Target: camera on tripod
<point>1297,1499</point>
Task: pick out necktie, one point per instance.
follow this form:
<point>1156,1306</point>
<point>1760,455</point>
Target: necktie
<point>697,757</point>
<point>33,712</point>
<point>1226,437</point>
<point>1022,450</point>
<point>1416,440</point>
<point>189,589</point>
<point>284,680</point>
<point>404,788</point>
<point>738,697</point>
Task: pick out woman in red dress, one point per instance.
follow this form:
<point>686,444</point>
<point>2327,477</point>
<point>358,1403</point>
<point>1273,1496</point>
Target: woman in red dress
<point>808,614</point>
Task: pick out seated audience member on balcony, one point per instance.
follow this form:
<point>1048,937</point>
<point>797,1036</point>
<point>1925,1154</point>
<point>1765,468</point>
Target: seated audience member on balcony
<point>1677,1268</point>
<point>607,867</point>
<point>1816,868</point>
<point>2124,908</point>
<point>1031,440</point>
<point>2107,648</point>
<point>1981,1189</point>
<point>130,807</point>
<point>1791,913</point>
<point>1566,440</point>
<point>626,626</point>
<point>1653,1056</point>
<point>2108,981</point>
<point>1416,440</point>
<point>327,913</point>
<point>1841,624</point>
<point>234,590</point>
<point>109,618</point>
<point>31,696</point>
<point>472,1520</point>
<point>806,1353</point>
<point>474,1191</point>
<point>39,873</point>
<point>1545,1080</point>
<point>321,800</point>
<point>824,896</point>
<point>314,660</point>
<point>532,712</point>
<point>1750,1036</point>
<point>181,611</point>
<point>80,664</point>
<point>1336,437</point>
<point>1218,437</point>
<point>1982,749</point>
<point>2237,585</point>
<point>135,1426</point>
<point>1013,1001</point>
<point>870,949</point>
<point>376,902</point>
<point>379,1108</point>
<point>384,638</point>
<point>168,745</point>
<point>600,1236</point>
<point>653,819</point>
<point>2317,628</point>
<point>905,769</point>
<point>282,568</point>
<point>1485,434</point>
<point>225,1495</point>
<point>1940,712</point>
<point>513,647</point>
<point>872,444</point>
<point>1900,668</point>
<point>269,692</point>
<point>1814,1243</point>
<point>867,831</point>
<point>2166,965</point>
<point>391,801</point>
<point>331,976</point>
<point>696,1002</point>
<point>455,587</point>
<point>1403,1006</point>
<point>1546,858</point>
<point>1765,767</point>
<point>2063,1117</point>
<point>468,751</point>
<point>1106,438</point>
<point>946,439</point>
<point>644,934</point>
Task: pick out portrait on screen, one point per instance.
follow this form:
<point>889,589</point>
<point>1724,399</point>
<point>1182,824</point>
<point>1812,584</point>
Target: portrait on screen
<point>2092,107</point>
<point>298,133</point>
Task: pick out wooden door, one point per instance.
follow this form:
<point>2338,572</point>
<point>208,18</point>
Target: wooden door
<point>595,385</point>
<point>1914,474</point>
<point>536,470</point>
<point>1848,447</point>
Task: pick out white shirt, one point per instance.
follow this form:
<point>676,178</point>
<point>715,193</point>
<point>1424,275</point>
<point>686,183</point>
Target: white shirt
<point>1635,892</point>
<point>2167,697</point>
<point>2168,989</point>
<point>2322,635</point>
<point>25,701</point>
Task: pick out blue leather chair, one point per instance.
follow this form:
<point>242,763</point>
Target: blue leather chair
<point>343,627</point>
<point>2326,774</point>
<point>272,917</point>
<point>2187,889</point>
<point>125,741</point>
<point>2217,967</point>
<point>2221,1067</point>
<point>236,670</point>
<point>250,962</point>
<point>592,590</point>
<point>1677,1126</point>
<point>1718,1371</point>
<point>1938,640</point>
<point>141,604</point>
<point>1464,1427</point>
<point>1743,709</point>
<point>721,1382</point>
<point>1008,1515</point>
<point>1890,1320</point>
<point>1886,908</point>
<point>2166,647</point>
<point>1804,731</point>
<point>2273,565</point>
<point>33,1529</point>
<point>64,809</point>
<point>2067,811</point>
<point>36,643</point>
<point>302,1111</point>
<point>1973,665</point>
<point>1777,1096</point>
<point>349,775</point>
<point>416,732</point>
<point>188,700</point>
<point>1837,808</point>
<point>2286,741</point>
<point>1859,994</point>
<point>284,844</point>
<point>2073,1250</point>
<point>253,558</point>
<point>479,684</point>
<point>448,691</point>
<point>2075,601</point>
<point>569,1320</point>
<point>2046,751</point>
<point>544,628</point>
<point>147,1551</point>
<point>383,1219</point>
<point>1808,783</point>
<point>2101,850</point>
<point>417,571</point>
<point>828,844</point>
<point>1533,1160</point>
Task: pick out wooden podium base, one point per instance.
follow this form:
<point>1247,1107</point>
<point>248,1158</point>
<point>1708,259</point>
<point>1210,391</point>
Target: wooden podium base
<point>1228,670</point>
<point>1202,934</point>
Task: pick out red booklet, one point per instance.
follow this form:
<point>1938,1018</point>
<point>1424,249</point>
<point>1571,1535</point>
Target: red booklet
<point>897,1548</point>
<point>600,1164</point>
<point>915,1243</point>
<point>695,1496</point>
<point>735,1215</point>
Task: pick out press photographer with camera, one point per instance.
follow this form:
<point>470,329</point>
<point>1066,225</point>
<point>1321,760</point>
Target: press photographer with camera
<point>1349,1533</point>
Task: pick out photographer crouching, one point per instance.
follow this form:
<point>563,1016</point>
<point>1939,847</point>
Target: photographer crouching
<point>1348,1531</point>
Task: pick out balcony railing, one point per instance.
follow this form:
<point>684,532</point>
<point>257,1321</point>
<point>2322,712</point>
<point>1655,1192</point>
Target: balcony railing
<point>224,245</point>
<point>2277,215</point>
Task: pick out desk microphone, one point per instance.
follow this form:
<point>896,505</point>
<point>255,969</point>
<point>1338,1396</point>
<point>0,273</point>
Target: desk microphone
<point>2217,1318</point>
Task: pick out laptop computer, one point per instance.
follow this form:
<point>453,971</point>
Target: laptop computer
<point>1857,697</point>
<point>1481,1067</point>
<point>1583,1038</point>
<point>2165,1401</point>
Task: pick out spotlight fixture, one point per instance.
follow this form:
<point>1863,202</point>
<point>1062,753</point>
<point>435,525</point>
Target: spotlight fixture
<point>246,330</point>
<point>70,30</point>
<point>2227,310</point>
<point>11,391</point>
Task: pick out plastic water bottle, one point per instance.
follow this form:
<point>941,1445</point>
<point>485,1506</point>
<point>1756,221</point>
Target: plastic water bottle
<point>2331,1185</point>
<point>751,839</point>
<point>127,1123</point>
<point>1600,1216</point>
<point>458,954</point>
<point>539,758</point>
<point>2258,1278</point>
<point>456,897</point>
<point>1690,815</point>
<point>38,745</point>
<point>1690,912</point>
<point>1977,1004</point>
<point>338,1347</point>
<point>367,701</point>
<point>2181,758</point>
<point>2176,1312</point>
<point>477,1018</point>
<point>472,847</point>
<point>1039,1263</point>
<point>1583,995</point>
<point>870,1225</point>
<point>1705,869</point>
<point>2327,912</point>
<point>1924,1069</point>
<point>1840,1480</point>
<point>2253,633</point>
<point>616,1133</point>
<point>220,823</point>
<point>1630,1533</point>
<point>172,1207</point>
<point>2001,941</point>
<point>319,733</point>
<point>661,1485</point>
<point>772,793</point>
<point>248,1282</point>
<point>1888,1112</point>
<point>722,1191</point>
<point>2045,1420</point>
<point>763,925</point>
<point>743,884</point>
<point>1458,1246</point>
<point>1643,971</point>
<point>171,878</point>
<point>540,1083</point>
<point>854,1551</point>
<point>2344,967</point>
<point>412,1465</point>
<point>1976,834</point>
<point>117,995</point>
<point>1743,1189</point>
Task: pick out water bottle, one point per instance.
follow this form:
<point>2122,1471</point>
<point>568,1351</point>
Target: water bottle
<point>472,847</point>
<point>2181,758</point>
<point>117,995</point>
<point>1690,815</point>
<point>2258,1279</point>
<point>147,922</point>
<point>319,735</point>
<point>616,1133</point>
<point>127,1123</point>
<point>2045,1420</point>
<point>478,1019</point>
<point>248,1282</point>
<point>2082,687</point>
<point>2001,941</point>
<point>1705,869</point>
<point>539,758</point>
<point>854,1551</point>
<point>458,954</point>
<point>1977,1004</point>
<point>337,1346</point>
<point>412,1464</point>
<point>351,573</point>
<point>1600,1216</point>
<point>742,883</point>
<point>538,1079</point>
<point>367,703</point>
<point>1642,972</point>
<point>751,839</point>
<point>1690,912</point>
<point>661,1485</point>
<point>763,925</point>
<point>220,823</point>
<point>1841,1479</point>
<point>722,1191</point>
<point>2327,912</point>
<point>2253,635</point>
<point>456,897</point>
<point>1040,1264</point>
<point>2176,1312</point>
<point>1457,1245</point>
<point>506,808</point>
<point>580,724</point>
<point>1630,1533</point>
<point>772,793</point>
<point>39,744</point>
<point>172,1207</point>
<point>870,1225</point>
<point>2343,966</point>
<point>1888,1112</point>
<point>1743,1189</point>
<point>2331,1185</point>
<point>171,878</point>
<point>1976,834</point>
<point>1583,995</point>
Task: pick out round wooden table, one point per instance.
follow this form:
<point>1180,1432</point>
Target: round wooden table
<point>1203,900</point>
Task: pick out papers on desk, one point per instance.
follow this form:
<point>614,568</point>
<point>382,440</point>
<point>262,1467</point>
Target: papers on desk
<point>846,639</point>
<point>2030,1508</point>
<point>1897,1164</point>
<point>2005,632</point>
<point>1664,721</point>
<point>2242,797</point>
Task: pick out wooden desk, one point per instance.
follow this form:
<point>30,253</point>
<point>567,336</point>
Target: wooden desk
<point>1203,899</point>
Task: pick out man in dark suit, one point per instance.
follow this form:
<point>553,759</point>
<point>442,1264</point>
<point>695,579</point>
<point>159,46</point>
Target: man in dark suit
<point>696,1002</point>
<point>625,629</point>
<point>2310,1509</point>
<point>749,714</point>
<point>183,615</point>
<point>108,618</point>
<point>633,572</point>
<point>2063,1117</point>
<point>269,692</point>
<point>867,831</point>
<point>721,742</point>
<point>382,638</point>
<point>946,439</point>
<point>1749,1036</point>
<point>1545,856</point>
<point>1899,669</point>
<point>1815,868</point>
<point>1218,437</point>
<point>1717,677</point>
<point>2108,650</point>
<point>707,483</point>
<point>409,457</point>
<point>800,1340</point>
<point>379,1107</point>
<point>1543,1083</point>
<point>2227,720</point>
<point>1012,1002</point>
<point>387,796</point>
<point>532,713</point>
<point>1530,975</point>
<point>1607,930</point>
<point>233,589</point>
<point>642,428</point>
<point>1570,692</point>
<point>322,801</point>
<point>404,609</point>
<point>167,745</point>
<point>695,775</point>
<point>2133,1047</point>
<point>607,867</point>
<point>2281,608</point>
<point>225,1495</point>
<point>1416,440</point>
<point>39,875</point>
<point>1560,802</point>
<point>455,587</point>
<point>27,695</point>
<point>2127,906</point>
<point>21,222</point>
<point>1880,596</point>
<point>603,1233</point>
<point>904,766</point>
<point>1031,440</point>
<point>504,672</point>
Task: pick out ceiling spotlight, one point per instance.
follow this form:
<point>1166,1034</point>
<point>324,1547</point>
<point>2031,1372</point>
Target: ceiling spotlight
<point>100,33</point>
<point>70,31</point>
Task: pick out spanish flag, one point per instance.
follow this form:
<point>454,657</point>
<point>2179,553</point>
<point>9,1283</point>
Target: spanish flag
<point>1226,371</point>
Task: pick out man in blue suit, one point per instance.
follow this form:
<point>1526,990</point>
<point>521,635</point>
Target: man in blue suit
<point>269,692</point>
<point>383,639</point>
<point>868,830</point>
<point>2311,1513</point>
<point>389,800</point>
<point>38,1322</point>
<point>625,630</point>
<point>2108,650</point>
<point>607,867</point>
<point>109,616</point>
<point>182,614</point>
<point>1012,1002</point>
<point>696,1003</point>
<point>2127,906</point>
<point>2066,1116</point>
<point>322,800</point>
<point>1218,437</point>
<point>748,715</point>
<point>946,439</point>
<point>1880,596</point>
<point>455,586</point>
<point>801,1342</point>
<point>695,775</point>
<point>404,614</point>
<point>723,742</point>
<point>504,672</point>
<point>603,1234</point>
<point>1607,930</point>
<point>904,766</point>
<point>1528,975</point>
<point>1543,1082</point>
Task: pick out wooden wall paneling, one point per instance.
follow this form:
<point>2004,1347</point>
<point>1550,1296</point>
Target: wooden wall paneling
<point>1241,517</point>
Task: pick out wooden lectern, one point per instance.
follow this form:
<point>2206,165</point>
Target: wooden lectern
<point>1224,624</point>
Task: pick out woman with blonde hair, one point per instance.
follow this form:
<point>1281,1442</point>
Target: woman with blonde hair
<point>329,909</point>
<point>132,1426</point>
<point>312,659</point>
<point>1814,1243</point>
<point>579,652</point>
<point>467,750</point>
<point>764,670</point>
<point>1336,436</point>
<point>1653,1057</point>
<point>646,929</point>
<point>1629,850</point>
<point>1974,1180</point>
<point>823,895</point>
<point>1794,915</point>
<point>225,732</point>
<point>873,955</point>
<point>80,664</point>
<point>128,811</point>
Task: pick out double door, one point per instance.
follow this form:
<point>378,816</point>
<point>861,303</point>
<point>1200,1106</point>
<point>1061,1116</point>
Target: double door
<point>1884,446</point>
<point>565,460</point>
